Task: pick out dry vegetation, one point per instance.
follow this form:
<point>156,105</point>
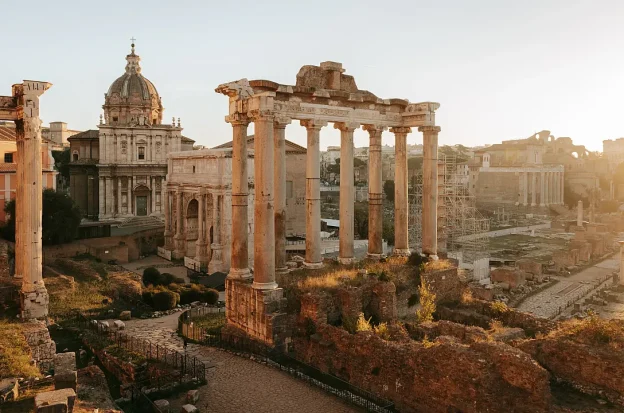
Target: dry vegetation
<point>14,352</point>
<point>592,331</point>
<point>438,265</point>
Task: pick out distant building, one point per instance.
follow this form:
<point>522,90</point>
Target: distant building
<point>83,172</point>
<point>57,133</point>
<point>8,167</point>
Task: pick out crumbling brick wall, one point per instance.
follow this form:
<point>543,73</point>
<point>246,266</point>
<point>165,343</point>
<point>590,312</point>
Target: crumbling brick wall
<point>445,284</point>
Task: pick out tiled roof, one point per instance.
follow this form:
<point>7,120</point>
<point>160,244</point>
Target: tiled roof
<point>89,134</point>
<point>8,167</point>
<point>7,132</point>
<point>185,139</point>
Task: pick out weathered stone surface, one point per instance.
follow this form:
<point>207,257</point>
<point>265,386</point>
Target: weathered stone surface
<point>512,276</point>
<point>57,401</point>
<point>431,330</point>
<point>38,338</point>
<point>445,284</point>
<point>565,258</point>
<point>163,405</point>
<point>65,375</point>
<point>530,267</point>
<point>189,408</point>
<point>508,334</point>
<point>192,396</point>
<point>125,315</point>
<point>383,306</point>
<point>584,249</point>
<point>9,389</point>
<point>480,377</point>
<point>119,325</point>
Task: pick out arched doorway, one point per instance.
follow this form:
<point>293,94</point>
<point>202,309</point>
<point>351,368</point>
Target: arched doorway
<point>141,201</point>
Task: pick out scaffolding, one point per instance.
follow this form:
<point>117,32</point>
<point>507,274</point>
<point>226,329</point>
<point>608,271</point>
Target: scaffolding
<point>461,227</point>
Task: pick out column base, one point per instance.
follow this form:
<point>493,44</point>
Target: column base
<point>34,302</point>
<point>372,256</point>
<point>281,270</point>
<point>533,205</point>
<point>264,286</point>
<point>346,260</point>
<point>433,257</point>
<point>542,205</point>
<point>312,265</point>
<point>239,274</point>
<point>401,252</point>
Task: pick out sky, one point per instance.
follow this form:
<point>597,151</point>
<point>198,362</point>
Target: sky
<point>500,69</point>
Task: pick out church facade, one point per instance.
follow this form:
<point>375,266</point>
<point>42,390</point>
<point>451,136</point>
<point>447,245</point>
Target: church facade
<point>133,147</point>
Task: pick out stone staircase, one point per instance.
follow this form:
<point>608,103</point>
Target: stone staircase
<point>141,222</point>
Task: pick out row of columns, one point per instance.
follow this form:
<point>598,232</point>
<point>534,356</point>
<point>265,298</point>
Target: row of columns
<point>110,199</point>
<point>550,188</point>
<point>270,183</point>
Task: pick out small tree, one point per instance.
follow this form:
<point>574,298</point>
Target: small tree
<point>427,303</point>
<point>151,276</point>
<point>388,189</point>
<point>60,218</point>
<point>360,219</point>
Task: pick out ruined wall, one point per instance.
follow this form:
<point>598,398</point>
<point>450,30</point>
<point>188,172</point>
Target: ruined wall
<point>445,284</point>
<point>447,376</point>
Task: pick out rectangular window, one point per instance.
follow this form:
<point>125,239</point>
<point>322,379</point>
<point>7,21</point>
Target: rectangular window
<point>141,152</point>
<point>289,189</point>
<point>8,158</point>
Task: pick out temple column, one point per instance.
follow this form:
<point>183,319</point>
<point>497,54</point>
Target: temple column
<point>109,196</point>
<point>553,192</point>
<point>533,188</point>
<point>279,180</point>
<point>401,240</point>
<point>345,254</point>
<point>542,189</point>
<point>119,196</point>
<point>430,190</point>
<point>101,200</point>
<point>239,262</point>
<point>313,257</point>
<point>168,221</point>
<point>375,193</point>
<point>216,260</point>
<point>179,238</point>
<point>33,295</point>
<point>525,185</point>
<point>561,186</point>
<point>264,207</point>
<point>579,213</point>
<point>200,244</point>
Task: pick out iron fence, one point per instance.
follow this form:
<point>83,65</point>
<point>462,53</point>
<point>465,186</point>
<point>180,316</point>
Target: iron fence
<point>183,364</point>
<point>279,359</point>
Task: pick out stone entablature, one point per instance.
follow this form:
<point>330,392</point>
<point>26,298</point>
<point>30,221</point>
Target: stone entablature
<point>198,212</point>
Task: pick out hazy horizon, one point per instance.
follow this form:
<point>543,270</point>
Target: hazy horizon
<point>499,71</point>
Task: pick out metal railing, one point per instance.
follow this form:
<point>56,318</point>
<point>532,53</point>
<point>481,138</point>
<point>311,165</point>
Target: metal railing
<point>278,359</point>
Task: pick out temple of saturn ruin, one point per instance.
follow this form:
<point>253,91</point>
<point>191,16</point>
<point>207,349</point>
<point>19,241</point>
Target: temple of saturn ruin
<point>23,109</point>
<point>322,94</point>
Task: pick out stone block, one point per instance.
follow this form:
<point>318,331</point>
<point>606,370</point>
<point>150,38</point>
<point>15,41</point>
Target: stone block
<point>530,267</point>
<point>509,275</point>
<point>192,396</point>
<point>119,325</point>
<point>103,325</point>
<point>125,315</point>
<point>163,405</point>
<point>189,408</point>
<point>56,401</point>
<point>65,375</point>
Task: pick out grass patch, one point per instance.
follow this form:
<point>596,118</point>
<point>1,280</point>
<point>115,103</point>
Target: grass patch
<point>331,280</point>
<point>212,322</point>
<point>15,358</point>
<point>438,265</point>
<point>593,331</point>
<point>85,298</point>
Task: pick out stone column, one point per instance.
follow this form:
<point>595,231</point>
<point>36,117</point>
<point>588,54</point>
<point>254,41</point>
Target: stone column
<point>375,193</point>
<point>533,188</point>
<point>561,186</point>
<point>264,207</point>
<point>33,294</point>
<point>401,241</point>
<point>579,214</point>
<point>430,190</point>
<point>119,196</point>
<point>239,263</point>
<point>180,238</point>
<point>109,196</point>
<point>543,189</point>
<point>621,278</point>
<point>525,177</point>
<point>200,244</point>
<point>101,200</point>
<point>153,187</point>
<point>216,260</point>
<point>345,255</point>
<point>168,221</point>
<point>313,257</point>
<point>279,180</point>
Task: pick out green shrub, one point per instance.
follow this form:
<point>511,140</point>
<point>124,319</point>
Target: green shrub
<point>165,300</point>
<point>151,276</point>
<point>148,297</point>
<point>179,280</point>
<point>210,296</point>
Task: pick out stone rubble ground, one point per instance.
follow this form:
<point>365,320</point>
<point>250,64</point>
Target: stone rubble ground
<point>236,383</point>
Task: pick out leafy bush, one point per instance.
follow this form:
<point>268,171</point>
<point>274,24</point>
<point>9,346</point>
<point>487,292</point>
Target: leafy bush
<point>167,278</point>
<point>499,307</point>
<point>382,331</point>
<point>427,303</point>
<point>148,297</point>
<point>211,296</point>
<point>151,276</point>
<point>165,300</point>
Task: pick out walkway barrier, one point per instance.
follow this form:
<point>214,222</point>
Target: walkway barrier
<point>278,359</point>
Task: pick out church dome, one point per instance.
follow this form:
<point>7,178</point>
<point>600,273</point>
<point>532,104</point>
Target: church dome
<point>132,99</point>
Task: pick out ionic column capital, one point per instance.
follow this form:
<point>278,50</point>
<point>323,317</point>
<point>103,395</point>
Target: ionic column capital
<point>374,129</point>
<point>237,119</point>
<point>313,124</point>
<point>401,130</point>
<point>346,126</point>
<point>424,129</point>
<point>280,122</point>
<point>261,115</point>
